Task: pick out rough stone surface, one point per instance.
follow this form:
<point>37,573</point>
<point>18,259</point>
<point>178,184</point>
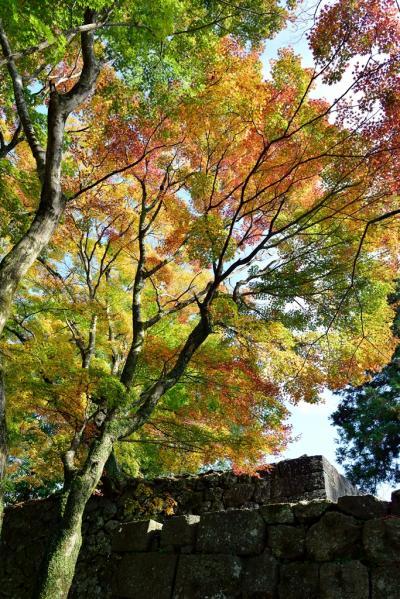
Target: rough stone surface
<point>135,536</point>
<point>140,572</point>
<point>240,532</point>
<point>336,485</point>
<point>334,536</point>
<point>259,548</point>
<point>207,577</point>
<point>348,580</point>
<point>382,539</point>
<point>385,582</point>
<point>277,513</point>
<point>238,495</point>
<point>363,507</point>
<point>260,576</point>
<point>395,503</point>
<point>309,511</point>
<point>180,530</point>
<point>286,541</point>
<point>299,581</point>
<point>262,492</point>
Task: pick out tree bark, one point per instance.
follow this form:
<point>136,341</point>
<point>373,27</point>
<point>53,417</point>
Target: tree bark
<point>52,201</point>
<point>59,566</point>
<point>3,443</point>
<point>58,569</point>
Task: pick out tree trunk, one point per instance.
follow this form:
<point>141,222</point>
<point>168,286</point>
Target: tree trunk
<point>20,258</point>
<point>3,443</point>
<point>58,568</point>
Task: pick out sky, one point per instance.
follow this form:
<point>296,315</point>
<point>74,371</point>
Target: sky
<point>310,422</point>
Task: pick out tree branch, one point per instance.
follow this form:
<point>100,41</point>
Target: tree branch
<point>22,108</point>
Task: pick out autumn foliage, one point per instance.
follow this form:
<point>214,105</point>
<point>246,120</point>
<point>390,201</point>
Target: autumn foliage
<point>247,187</point>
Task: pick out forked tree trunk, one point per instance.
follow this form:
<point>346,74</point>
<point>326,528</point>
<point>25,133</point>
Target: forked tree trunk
<point>58,569</point>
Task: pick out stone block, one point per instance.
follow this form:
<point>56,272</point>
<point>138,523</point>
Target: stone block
<point>286,542</point>
<point>135,536</point>
<point>385,582</point>
<point>395,503</point>
<point>260,576</point>
<point>299,580</point>
<point>306,478</point>
<point>277,513</point>
<point>191,501</point>
<point>207,577</point>
<point>213,494</point>
<point>205,507</point>
<point>303,478</point>
<point>381,539</point>
<point>363,507</point>
<point>336,485</point>
<point>238,532</point>
<point>334,536</point>
<point>262,492</point>
<point>145,575</point>
<point>179,531</point>
<point>238,495</point>
<point>347,580</point>
<point>308,511</point>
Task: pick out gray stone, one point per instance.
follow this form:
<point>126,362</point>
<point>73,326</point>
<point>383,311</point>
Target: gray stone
<point>363,507</point>
<point>395,503</point>
<point>334,536</point>
<point>306,478</point>
<point>145,575</point>
<point>205,507</point>
<point>260,575</point>
<point>213,494</point>
<point>238,532</point>
<point>191,501</point>
<point>348,580</point>
<point>135,536</point>
<point>286,541</point>
<point>277,513</point>
<point>299,581</point>
<point>382,539</point>
<point>262,492</point>
<point>292,480</point>
<point>179,531</point>
<point>238,495</point>
<point>112,525</point>
<point>385,582</point>
<point>307,511</point>
<point>207,577</point>
<point>336,485</point>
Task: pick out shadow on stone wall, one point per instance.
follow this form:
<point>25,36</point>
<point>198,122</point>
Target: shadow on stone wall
<point>28,527</point>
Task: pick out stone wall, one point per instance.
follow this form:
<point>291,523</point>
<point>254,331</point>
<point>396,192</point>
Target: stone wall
<point>28,527</point>
<point>309,550</point>
<point>304,478</point>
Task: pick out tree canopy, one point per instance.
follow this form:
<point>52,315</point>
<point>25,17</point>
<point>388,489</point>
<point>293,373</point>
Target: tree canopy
<point>187,247</point>
<point>173,202</point>
<point>368,420</point>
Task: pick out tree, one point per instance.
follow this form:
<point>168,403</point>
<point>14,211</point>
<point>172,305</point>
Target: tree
<point>214,225</point>
<point>143,41</point>
<point>368,419</point>
<point>370,30</point>
<point>131,36</point>
<point>247,192</point>
<point>22,254</point>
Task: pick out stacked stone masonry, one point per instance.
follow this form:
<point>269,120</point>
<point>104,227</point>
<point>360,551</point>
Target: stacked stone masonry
<point>308,550</point>
<point>279,551</point>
